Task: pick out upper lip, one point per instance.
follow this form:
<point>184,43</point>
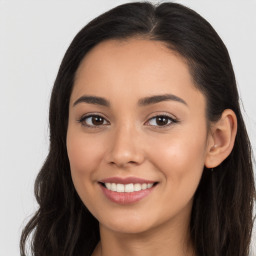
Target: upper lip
<point>127,180</point>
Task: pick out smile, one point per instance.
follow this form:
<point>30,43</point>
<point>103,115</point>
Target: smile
<point>128,190</point>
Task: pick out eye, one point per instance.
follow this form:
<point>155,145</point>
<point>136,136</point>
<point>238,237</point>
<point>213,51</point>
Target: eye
<point>161,120</point>
<point>93,121</point>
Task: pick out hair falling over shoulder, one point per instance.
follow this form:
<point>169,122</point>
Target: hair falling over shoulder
<point>222,214</point>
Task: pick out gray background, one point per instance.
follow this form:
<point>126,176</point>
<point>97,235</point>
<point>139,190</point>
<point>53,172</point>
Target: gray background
<point>33,38</point>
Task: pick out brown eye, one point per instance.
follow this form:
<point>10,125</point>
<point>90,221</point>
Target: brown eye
<point>93,120</point>
<point>97,120</point>
<point>161,121</point>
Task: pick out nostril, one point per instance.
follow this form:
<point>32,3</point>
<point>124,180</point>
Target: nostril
<point>132,162</point>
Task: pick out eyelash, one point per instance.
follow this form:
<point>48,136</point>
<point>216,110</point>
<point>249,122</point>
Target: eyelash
<point>171,121</point>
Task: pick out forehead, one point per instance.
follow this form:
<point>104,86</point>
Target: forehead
<point>150,59</point>
<point>134,68</point>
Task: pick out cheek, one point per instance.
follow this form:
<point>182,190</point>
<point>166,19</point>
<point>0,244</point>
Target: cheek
<point>186,155</point>
<point>181,162</point>
<point>84,156</point>
<point>83,153</point>
<point>181,159</point>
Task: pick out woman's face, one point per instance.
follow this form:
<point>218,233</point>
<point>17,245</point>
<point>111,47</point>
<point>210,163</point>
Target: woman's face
<point>135,117</point>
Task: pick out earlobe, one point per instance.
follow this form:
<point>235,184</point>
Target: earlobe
<point>221,139</point>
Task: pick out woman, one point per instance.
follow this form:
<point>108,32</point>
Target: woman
<point>148,149</point>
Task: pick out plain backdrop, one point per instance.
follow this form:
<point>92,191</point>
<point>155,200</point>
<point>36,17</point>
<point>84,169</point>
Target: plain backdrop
<point>34,36</point>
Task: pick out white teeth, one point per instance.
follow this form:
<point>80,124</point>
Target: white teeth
<point>144,186</point>
<point>128,188</point>
<point>137,187</point>
<point>120,187</point>
<point>150,185</point>
<point>108,185</point>
<point>113,187</point>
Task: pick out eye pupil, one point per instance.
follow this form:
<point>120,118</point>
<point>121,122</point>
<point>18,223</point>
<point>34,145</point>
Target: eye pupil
<point>161,120</point>
<point>97,120</point>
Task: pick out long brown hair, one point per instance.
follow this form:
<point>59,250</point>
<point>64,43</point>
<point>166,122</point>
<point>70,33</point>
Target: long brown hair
<point>221,220</point>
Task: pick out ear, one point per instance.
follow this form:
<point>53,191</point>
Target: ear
<point>221,139</point>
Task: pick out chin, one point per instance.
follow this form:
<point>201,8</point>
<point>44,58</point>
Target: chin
<point>127,225</point>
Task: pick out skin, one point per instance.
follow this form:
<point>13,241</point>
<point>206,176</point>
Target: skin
<point>130,142</point>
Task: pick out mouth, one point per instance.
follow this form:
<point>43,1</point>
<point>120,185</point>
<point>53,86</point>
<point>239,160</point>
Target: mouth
<point>126,191</point>
<point>127,188</point>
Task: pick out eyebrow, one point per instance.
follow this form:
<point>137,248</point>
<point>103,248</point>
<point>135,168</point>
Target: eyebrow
<point>159,98</point>
<point>92,100</point>
<point>142,102</point>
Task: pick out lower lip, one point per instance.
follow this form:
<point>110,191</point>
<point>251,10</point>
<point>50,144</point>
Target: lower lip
<point>126,197</point>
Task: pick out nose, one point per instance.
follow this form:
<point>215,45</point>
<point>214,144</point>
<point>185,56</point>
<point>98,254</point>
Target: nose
<point>125,148</point>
